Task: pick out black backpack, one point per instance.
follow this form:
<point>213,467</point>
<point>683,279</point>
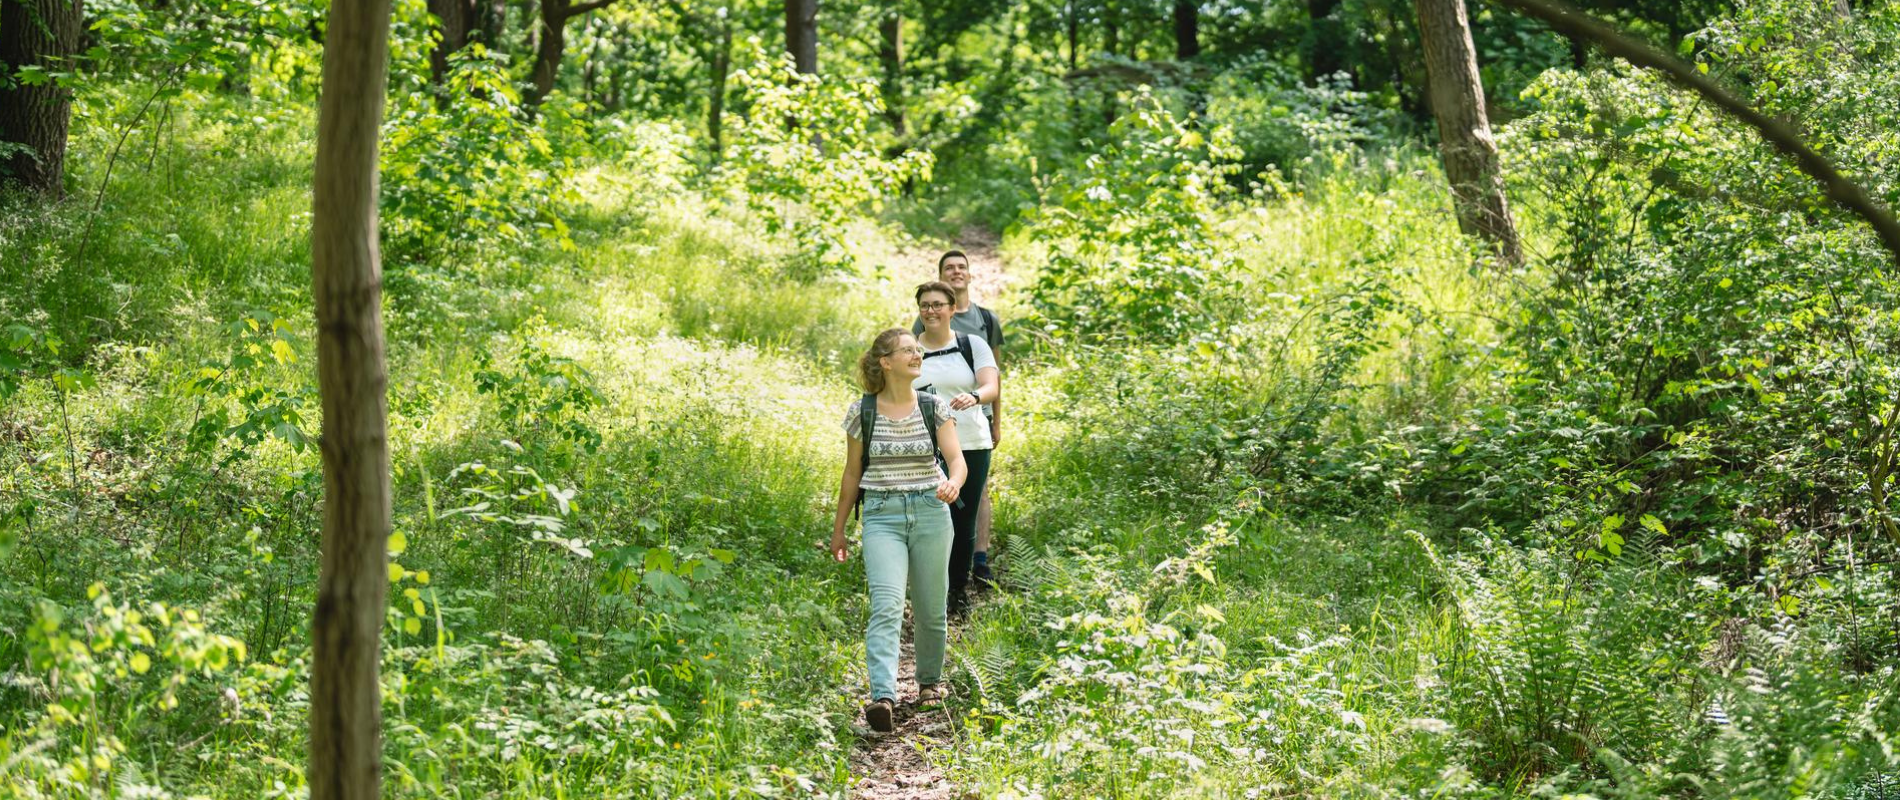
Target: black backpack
<point>867,422</point>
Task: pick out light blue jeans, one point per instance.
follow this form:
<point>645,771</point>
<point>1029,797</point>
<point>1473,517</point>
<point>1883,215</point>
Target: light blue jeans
<point>906,540</point>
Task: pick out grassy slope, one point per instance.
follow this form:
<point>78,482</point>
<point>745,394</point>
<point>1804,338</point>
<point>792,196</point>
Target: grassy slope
<point>715,406</point>
<point>717,391</point>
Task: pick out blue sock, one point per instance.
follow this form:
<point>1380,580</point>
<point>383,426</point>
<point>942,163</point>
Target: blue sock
<point>981,558</point>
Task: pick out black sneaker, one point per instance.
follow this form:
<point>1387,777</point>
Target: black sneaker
<point>982,577</point>
<point>957,610</point>
<point>878,714</point>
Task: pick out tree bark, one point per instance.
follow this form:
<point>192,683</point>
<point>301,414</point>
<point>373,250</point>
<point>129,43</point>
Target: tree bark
<point>890,54</point>
<point>716,94</point>
<point>801,34</point>
<point>457,19</point>
<point>1187,29</point>
<point>553,44</point>
<point>346,275</point>
<point>1464,131</point>
<point>37,33</point>
<point>1075,36</point>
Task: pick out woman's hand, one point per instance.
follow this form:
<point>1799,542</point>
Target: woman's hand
<point>948,491</point>
<point>964,401</point>
<point>839,551</point>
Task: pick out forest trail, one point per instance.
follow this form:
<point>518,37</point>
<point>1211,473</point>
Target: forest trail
<point>989,280</point>
<point>898,764</point>
<point>889,766</point>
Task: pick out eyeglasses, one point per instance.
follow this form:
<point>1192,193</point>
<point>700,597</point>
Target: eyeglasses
<point>933,306</point>
<point>911,350</point>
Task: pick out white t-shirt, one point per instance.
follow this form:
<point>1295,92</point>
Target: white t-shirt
<point>946,375</point>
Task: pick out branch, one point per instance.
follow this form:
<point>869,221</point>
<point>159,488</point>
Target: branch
<point>577,10</point>
<point>1577,25</point>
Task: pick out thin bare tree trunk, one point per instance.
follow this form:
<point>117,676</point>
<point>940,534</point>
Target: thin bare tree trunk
<point>549,49</point>
<point>801,34</point>
<point>346,274</point>
<point>37,33</point>
<point>716,93</point>
<point>1187,29</point>
<point>1075,35</point>
<point>1464,131</point>
<point>891,55</point>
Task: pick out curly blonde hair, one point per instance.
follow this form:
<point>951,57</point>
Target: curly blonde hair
<point>870,366</point>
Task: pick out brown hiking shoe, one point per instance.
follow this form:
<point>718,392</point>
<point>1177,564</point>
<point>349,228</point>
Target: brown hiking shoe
<point>878,714</point>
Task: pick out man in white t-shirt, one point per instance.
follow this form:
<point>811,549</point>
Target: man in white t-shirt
<point>953,268</point>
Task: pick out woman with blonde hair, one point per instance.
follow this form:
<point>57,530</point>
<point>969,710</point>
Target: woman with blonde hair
<point>905,468</point>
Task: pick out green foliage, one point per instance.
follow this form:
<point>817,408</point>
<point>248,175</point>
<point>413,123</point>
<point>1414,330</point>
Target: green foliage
<point>543,398</point>
<point>471,166</point>
<point>803,156</point>
<point>1651,470</point>
<point>1284,128</point>
<point>240,384</point>
<point>1132,254</point>
<point>96,679</point>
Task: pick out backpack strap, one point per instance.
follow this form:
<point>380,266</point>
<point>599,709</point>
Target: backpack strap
<point>992,330</point>
<point>927,406</point>
<point>867,421</point>
<point>969,355</point>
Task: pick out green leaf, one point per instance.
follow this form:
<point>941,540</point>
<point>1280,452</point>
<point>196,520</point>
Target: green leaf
<point>666,584</point>
<point>660,559</point>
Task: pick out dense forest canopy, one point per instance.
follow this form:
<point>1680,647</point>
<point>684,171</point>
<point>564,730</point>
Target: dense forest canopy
<point>1406,398</point>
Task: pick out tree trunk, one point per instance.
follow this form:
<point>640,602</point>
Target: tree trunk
<point>553,44</point>
<point>1075,36</point>
<point>550,49</point>
<point>458,19</point>
<point>1464,132</point>
<point>1111,28</point>
<point>491,18</point>
<point>716,93</point>
<point>37,33</point>
<point>346,273</point>
<point>801,34</point>
<point>1187,29</point>
<point>891,55</point>
<point>1324,39</point>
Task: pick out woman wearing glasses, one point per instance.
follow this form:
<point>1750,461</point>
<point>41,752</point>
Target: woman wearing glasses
<point>906,494</point>
<point>961,371</point>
